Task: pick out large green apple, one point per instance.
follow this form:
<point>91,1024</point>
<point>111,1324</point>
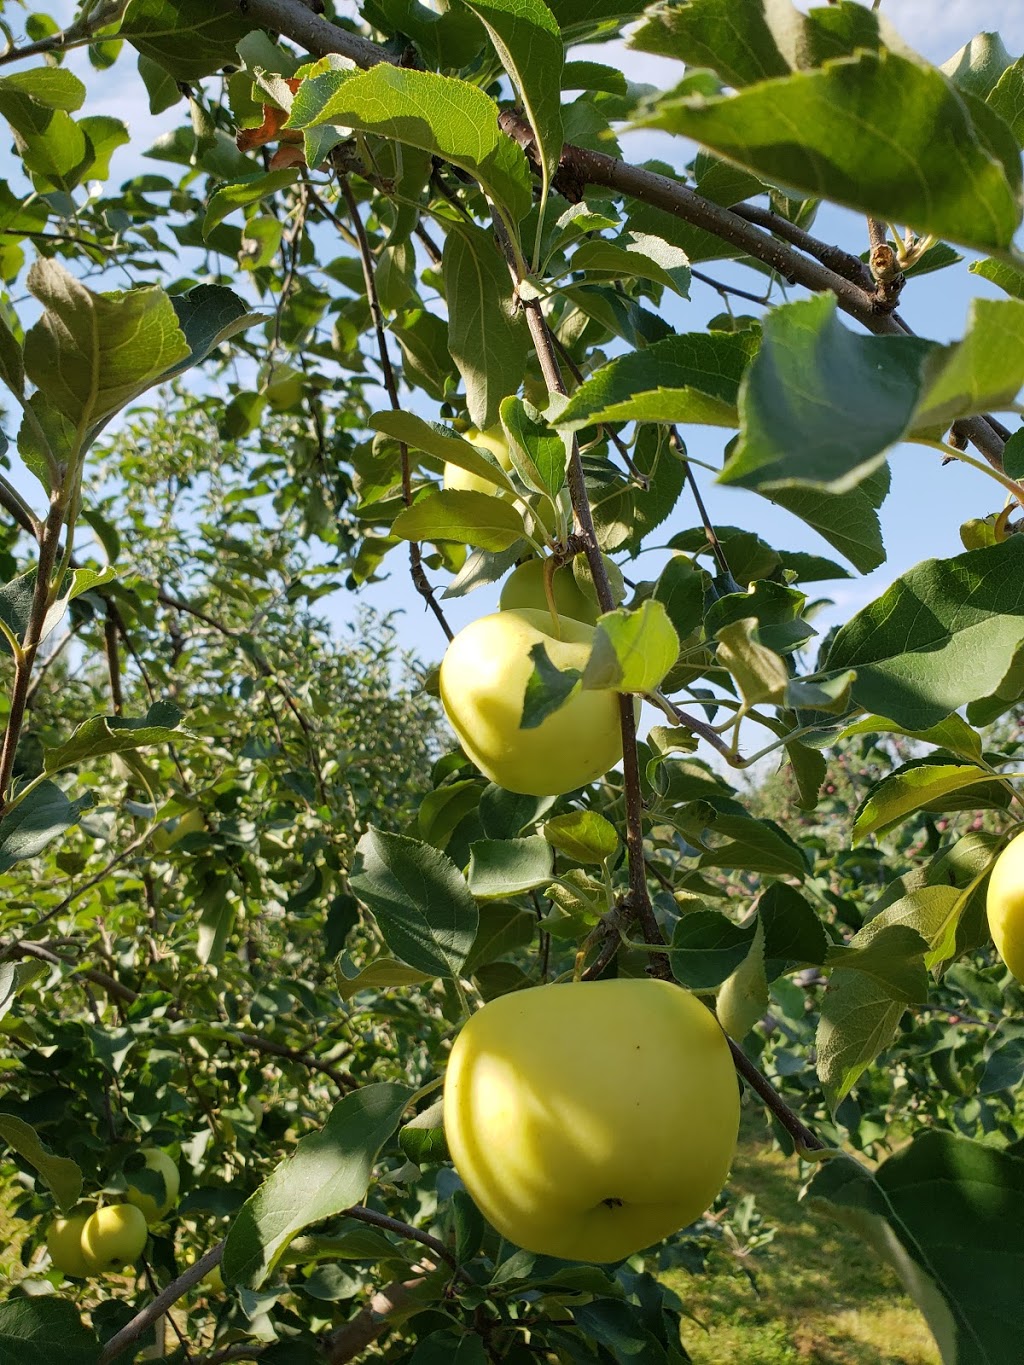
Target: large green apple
<point>64,1243</point>
<point>592,1119</point>
<point>483,682</point>
<point>114,1237</point>
<point>493,441</point>
<point>154,1209</point>
<point>1005,905</point>
<point>524,587</point>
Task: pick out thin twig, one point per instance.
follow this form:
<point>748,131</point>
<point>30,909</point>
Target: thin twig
<point>709,530</point>
<point>419,577</point>
<point>387,1224</point>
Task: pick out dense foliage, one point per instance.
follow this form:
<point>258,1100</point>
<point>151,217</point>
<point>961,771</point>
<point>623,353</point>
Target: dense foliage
<point>250,886</point>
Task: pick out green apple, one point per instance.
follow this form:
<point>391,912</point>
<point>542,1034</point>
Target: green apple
<point>114,1237</point>
<point>493,441</point>
<point>154,1209</point>
<point>483,681</point>
<point>1005,906</point>
<point>64,1243</point>
<point>592,1119</point>
<point>524,587</point>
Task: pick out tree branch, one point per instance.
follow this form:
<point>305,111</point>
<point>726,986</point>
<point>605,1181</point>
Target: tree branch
<point>316,34</point>
<point>419,577</point>
<point>133,1330</point>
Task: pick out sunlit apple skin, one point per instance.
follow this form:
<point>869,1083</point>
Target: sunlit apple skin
<point>64,1243</point>
<point>493,441</point>
<point>483,682</point>
<point>114,1237</point>
<point>524,587</point>
<point>160,1162</point>
<point>593,1119</point>
<point>1005,906</point>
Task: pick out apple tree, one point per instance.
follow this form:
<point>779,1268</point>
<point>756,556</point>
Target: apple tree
<point>386,299</point>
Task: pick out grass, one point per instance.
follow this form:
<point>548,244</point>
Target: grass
<point>822,1298</point>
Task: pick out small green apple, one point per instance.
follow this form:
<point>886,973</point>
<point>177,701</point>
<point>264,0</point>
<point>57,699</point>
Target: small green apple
<point>593,1119</point>
<point>483,681</point>
<point>114,1237</point>
<point>524,587</point>
<point>154,1209</point>
<point>64,1243</point>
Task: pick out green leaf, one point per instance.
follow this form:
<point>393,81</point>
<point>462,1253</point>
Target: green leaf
<point>64,1177</point>
<point>461,515</point>
<point>42,816</point>
<point>753,845</point>
<point>547,688</point>
<point>208,315</point>
<point>583,835</point>
<point>707,948</point>
<point>759,673</point>
<point>40,1330</point>
<point>115,735</point>
<point>503,929</point>
<point>242,193</point>
<point>12,362</point>
<point>632,650</point>
<point>748,41</point>
<point>943,634</point>
<point>948,1214</point>
<point>420,901</point>
<point>941,175</point>
<point>487,339</point>
<point>1007,97</point>
<point>743,996</point>
<point>441,441</point>
<point>528,41</point>
<point>889,802</point>
<point>953,734</point>
<point>680,590</point>
<point>422,1138</point>
<point>1009,278</point>
<point>643,257</point>
<point>379,974</point>
<point>894,957</point>
<point>91,354</point>
<point>186,38</point>
<point>446,117</point>
<point>861,1010</point>
<point>690,378</point>
<point>848,521</point>
<point>776,609</point>
<point>978,65</point>
<point>983,371</point>
<point>327,1173</point>
<point>508,867</point>
<point>820,405</point>
<point>105,134</point>
<point>539,455</point>
<point>793,934</point>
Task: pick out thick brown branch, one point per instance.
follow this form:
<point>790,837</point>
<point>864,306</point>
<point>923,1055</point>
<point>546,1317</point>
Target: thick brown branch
<point>316,34</point>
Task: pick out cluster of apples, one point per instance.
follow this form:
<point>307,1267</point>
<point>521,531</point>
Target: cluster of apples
<point>94,1241</point>
<point>586,1120</point>
<point>487,666</point>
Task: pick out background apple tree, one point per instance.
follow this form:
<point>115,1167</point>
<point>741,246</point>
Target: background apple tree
<point>248,884</point>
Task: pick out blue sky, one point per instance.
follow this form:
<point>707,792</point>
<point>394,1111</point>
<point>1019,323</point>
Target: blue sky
<point>928,502</point>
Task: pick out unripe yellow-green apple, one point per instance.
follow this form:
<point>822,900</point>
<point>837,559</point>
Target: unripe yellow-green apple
<point>493,441</point>
<point>114,1237</point>
<point>64,1243</point>
<point>483,681</point>
<point>154,1209</point>
<point>1006,906</point>
<point>524,587</point>
<point>593,1119</point>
